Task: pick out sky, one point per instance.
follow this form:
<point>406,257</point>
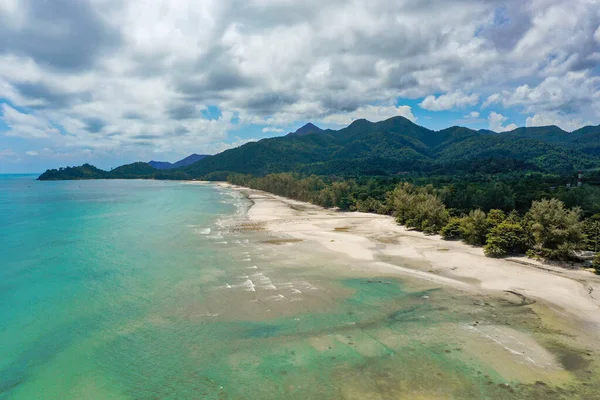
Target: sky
<point>111,82</point>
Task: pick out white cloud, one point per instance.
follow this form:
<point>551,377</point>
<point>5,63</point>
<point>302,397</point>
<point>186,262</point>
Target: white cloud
<point>449,101</point>
<point>32,153</point>
<point>6,154</point>
<point>549,118</point>
<point>26,125</point>
<point>494,98</point>
<point>472,115</point>
<point>272,129</point>
<point>139,76</point>
<point>372,113</point>
<point>497,121</point>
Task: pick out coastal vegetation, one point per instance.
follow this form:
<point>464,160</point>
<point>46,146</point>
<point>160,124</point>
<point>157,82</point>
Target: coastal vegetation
<point>547,229</point>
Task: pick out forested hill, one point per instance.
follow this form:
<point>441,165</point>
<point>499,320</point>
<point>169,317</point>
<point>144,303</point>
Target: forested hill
<point>388,147</point>
<point>181,163</point>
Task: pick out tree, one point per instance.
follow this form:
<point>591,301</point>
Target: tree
<point>370,205</point>
<point>596,263</point>
<point>418,208</point>
<point>452,229</point>
<point>556,230</point>
<point>495,217</point>
<point>591,231</point>
<point>507,238</point>
<point>474,228</point>
<point>342,195</point>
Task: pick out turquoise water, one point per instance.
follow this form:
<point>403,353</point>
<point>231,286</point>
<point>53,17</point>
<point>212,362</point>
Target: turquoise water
<point>82,260</point>
<point>161,290</point>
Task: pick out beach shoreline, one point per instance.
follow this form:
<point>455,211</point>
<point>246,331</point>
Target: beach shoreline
<point>378,243</point>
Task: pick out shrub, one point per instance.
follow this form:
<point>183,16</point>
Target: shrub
<point>418,208</point>
<point>474,228</point>
<point>596,263</point>
<point>495,218</point>
<point>556,230</point>
<point>507,238</point>
<point>452,229</point>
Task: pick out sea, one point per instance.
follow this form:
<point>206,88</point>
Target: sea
<point>143,289</point>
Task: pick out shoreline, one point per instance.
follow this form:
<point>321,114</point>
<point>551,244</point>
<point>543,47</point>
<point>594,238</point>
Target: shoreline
<point>377,243</point>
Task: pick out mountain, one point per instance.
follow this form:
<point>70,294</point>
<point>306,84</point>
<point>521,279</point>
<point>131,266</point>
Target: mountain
<point>160,164</point>
<point>397,145</point>
<point>394,146</point>
<point>306,129</point>
<point>137,170</point>
<point>181,163</point>
<point>86,171</point>
<point>189,160</point>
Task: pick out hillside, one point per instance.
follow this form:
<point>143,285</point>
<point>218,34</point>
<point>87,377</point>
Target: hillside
<point>388,147</point>
<point>181,163</point>
<point>398,145</point>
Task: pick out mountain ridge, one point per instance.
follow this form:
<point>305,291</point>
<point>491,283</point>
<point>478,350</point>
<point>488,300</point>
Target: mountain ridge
<point>306,130</point>
<point>181,163</point>
<point>398,145</point>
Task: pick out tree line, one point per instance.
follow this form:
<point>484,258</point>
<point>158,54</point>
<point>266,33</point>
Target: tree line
<point>548,228</point>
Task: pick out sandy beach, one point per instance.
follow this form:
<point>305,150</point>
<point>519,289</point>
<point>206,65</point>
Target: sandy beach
<point>378,243</point>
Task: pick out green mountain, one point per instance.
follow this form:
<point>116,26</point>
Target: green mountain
<point>181,163</point>
<point>389,147</point>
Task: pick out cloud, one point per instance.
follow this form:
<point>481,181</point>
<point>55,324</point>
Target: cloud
<point>32,153</point>
<point>6,154</point>
<point>59,33</point>
<point>372,113</point>
<point>449,101</point>
<point>26,125</point>
<point>494,98</point>
<point>562,121</point>
<point>271,129</point>
<point>135,77</point>
<point>569,94</point>
<point>472,115</point>
<point>497,121</point>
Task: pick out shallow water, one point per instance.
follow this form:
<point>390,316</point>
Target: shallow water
<point>147,290</point>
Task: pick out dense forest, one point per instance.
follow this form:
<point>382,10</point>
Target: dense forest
<point>390,147</point>
<point>507,218</point>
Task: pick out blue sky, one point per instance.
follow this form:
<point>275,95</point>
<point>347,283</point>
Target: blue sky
<point>111,82</point>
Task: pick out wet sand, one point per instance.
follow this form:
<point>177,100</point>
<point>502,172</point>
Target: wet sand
<point>387,248</point>
<point>391,313</point>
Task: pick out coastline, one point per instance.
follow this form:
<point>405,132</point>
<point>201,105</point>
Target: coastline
<point>377,243</point>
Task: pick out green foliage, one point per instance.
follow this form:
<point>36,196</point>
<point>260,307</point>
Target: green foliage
<point>133,171</point>
<point>397,146</point>
<point>417,208</point>
<point>596,263</point>
<point>86,171</point>
<point>138,170</point>
<point>591,232</point>
<point>508,237</point>
<point>371,205</point>
<point>556,230</point>
<point>495,218</point>
<point>452,229</point>
<point>474,228</point>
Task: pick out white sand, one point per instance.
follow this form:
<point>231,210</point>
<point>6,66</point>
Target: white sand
<point>380,244</point>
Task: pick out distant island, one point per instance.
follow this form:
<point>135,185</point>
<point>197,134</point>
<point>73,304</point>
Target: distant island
<point>391,147</point>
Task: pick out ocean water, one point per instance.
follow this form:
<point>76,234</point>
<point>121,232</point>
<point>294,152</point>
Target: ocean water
<point>160,290</point>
